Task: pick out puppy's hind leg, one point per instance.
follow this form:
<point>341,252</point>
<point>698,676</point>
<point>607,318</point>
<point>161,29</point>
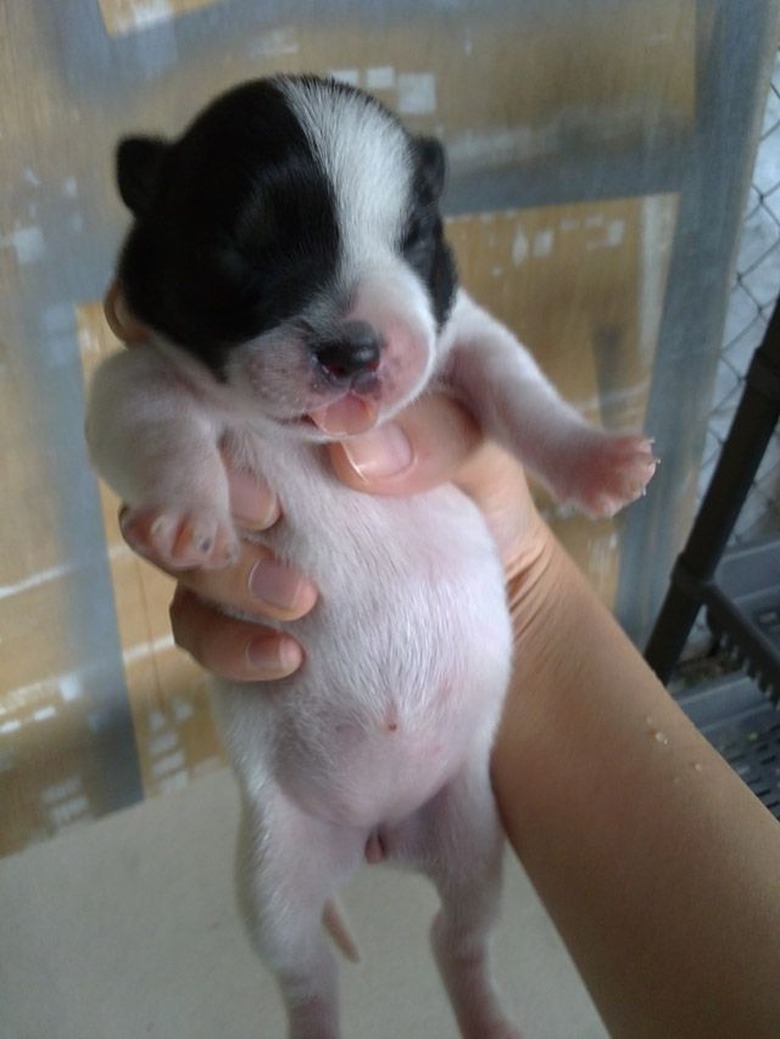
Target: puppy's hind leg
<point>288,865</point>
<point>456,839</point>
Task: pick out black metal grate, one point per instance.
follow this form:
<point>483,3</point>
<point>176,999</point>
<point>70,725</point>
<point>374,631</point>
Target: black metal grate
<point>745,730</point>
<point>752,748</point>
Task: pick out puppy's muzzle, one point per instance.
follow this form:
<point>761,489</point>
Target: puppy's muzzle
<point>352,353</point>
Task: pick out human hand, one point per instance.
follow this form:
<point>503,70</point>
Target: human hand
<point>434,441</point>
<point>256,584</point>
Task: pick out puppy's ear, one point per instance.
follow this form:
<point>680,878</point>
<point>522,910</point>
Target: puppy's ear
<point>138,162</point>
<point>433,162</point>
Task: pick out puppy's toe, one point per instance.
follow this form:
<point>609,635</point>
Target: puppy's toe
<point>612,472</point>
<point>181,540</point>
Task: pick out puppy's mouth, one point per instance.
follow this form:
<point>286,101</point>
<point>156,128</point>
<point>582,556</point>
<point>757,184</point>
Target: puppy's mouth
<point>348,416</point>
<point>356,409</point>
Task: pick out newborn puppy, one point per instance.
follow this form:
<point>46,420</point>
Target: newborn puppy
<point>287,255</point>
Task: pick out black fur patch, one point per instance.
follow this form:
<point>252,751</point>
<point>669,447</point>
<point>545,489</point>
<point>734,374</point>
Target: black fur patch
<point>235,227</point>
<point>424,246</point>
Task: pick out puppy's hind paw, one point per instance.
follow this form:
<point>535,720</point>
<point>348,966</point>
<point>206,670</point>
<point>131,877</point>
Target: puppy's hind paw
<point>612,471</point>
<point>180,540</point>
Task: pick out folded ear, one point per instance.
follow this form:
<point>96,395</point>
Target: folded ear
<point>433,162</point>
<point>138,162</point>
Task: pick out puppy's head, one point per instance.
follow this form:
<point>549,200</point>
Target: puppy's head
<point>291,241</point>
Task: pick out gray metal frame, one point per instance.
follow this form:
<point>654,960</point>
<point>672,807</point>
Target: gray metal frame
<point>732,79</point>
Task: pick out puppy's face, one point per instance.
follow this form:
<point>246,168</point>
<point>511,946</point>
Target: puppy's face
<point>291,241</point>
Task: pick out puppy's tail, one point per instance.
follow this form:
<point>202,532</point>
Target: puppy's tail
<point>335,924</point>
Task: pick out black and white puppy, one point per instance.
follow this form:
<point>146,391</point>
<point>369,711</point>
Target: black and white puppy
<point>287,257</point>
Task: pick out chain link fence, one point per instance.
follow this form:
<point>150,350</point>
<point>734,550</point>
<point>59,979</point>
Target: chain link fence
<point>753,295</point>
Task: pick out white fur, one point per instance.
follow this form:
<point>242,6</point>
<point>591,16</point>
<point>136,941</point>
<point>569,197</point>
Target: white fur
<point>367,161</point>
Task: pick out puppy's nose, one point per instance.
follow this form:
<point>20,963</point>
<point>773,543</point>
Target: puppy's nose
<point>355,349</point>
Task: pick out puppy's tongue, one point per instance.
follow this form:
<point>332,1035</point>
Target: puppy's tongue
<point>347,416</point>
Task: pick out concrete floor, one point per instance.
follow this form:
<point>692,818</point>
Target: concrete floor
<point>127,928</point>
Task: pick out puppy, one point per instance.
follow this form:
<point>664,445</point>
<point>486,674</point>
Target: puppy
<point>287,256</point>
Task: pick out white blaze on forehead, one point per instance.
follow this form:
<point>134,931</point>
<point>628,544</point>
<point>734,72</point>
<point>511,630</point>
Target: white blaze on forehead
<point>366,157</point>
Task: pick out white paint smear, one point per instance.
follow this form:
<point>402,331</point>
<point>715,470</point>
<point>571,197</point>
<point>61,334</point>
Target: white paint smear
<point>28,243</point>
<point>276,44</point>
<point>349,76</point>
<point>71,687</point>
<point>163,743</point>
<point>170,784</point>
<point>44,713</point>
<point>182,710</point>
<point>416,93</point>
<point>157,721</point>
<point>544,242</point>
<point>65,813</point>
<point>520,248</point>
<point>380,77</point>
<point>146,649</point>
<point>612,237</point>
<point>142,14</point>
<point>61,791</point>
<point>657,228</point>
<point>34,581</point>
<point>170,763</point>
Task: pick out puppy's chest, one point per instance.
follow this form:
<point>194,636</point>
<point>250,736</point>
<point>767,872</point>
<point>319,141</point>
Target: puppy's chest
<point>340,536</point>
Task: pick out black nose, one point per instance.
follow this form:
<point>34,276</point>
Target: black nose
<point>355,349</point>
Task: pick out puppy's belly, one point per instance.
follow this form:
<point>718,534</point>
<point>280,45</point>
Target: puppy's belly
<point>367,776</point>
<point>407,658</point>
<point>366,735</point>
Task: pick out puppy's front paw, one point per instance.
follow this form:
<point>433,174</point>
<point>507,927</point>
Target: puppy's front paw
<point>181,540</point>
<point>609,472</point>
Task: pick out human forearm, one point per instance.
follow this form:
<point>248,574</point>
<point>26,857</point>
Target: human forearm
<point>658,866</point>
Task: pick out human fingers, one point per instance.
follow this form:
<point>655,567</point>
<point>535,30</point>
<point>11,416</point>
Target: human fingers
<point>119,317</point>
<point>436,441</point>
<point>254,583</point>
<point>420,448</point>
<point>239,650</point>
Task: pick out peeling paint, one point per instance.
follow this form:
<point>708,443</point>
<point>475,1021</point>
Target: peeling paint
<point>170,763</point>
<point>520,248</point>
<point>146,649</point>
<point>35,580</point>
<point>544,243</point>
<point>417,93</point>
<point>349,76</point>
<point>28,243</point>
<point>380,77</point>
<point>62,791</point>
<point>141,14</point>
<point>277,43</point>
<point>71,687</point>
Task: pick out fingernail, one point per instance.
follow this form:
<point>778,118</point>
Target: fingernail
<point>253,504</point>
<point>382,452</point>
<point>275,584</point>
<point>274,655</point>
